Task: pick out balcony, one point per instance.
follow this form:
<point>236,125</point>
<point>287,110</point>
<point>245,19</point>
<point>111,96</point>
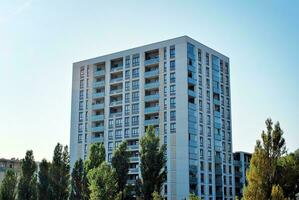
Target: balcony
<point>117,68</point>
<point>216,101</point>
<point>148,122</point>
<point>217,114</point>
<point>98,106</point>
<point>115,103</point>
<point>99,84</point>
<point>134,159</point>
<point>133,147</point>
<point>153,109</point>
<point>191,68</point>
<point>97,129</point>
<point>152,97</point>
<point>218,159</point>
<point>115,80</point>
<point>152,73</point>
<point>192,80</point>
<point>97,139</point>
<point>152,85</point>
<point>191,93</point>
<point>116,114</point>
<point>152,61</point>
<point>98,95</point>
<point>97,117</point>
<point>133,170</point>
<point>99,73</point>
<point>116,91</point>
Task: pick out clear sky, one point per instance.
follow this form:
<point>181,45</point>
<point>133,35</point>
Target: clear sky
<point>39,41</point>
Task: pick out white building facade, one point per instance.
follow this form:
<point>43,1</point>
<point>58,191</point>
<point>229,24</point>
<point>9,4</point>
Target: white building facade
<point>179,86</point>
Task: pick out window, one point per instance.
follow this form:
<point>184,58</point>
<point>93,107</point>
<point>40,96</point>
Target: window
<point>118,122</point>
<point>135,60</point>
<point>82,72</point>
<point>164,66</point>
<point>135,108</point>
<point>199,69</point>
<point>86,104</point>
<point>172,77</point>
<point>165,91</point>
<point>80,116</point>
<point>127,97</point>
<point>172,89</point>
<point>199,55</point>
<point>110,135</point>
<point>127,62</point>
<point>86,93</point>
<point>110,146</point>
<point>165,53</point>
<point>86,127</point>
<point>135,73</point>
<point>127,74</point>
<point>135,120</point>
<point>135,132</point>
<point>109,157</point>
<point>201,153</point>
<point>81,94</point>
<point>127,86</point>
<point>165,103</point>
<point>172,51</point>
<point>172,127</point>
<point>200,105</point>
<point>207,59</point>
<point>172,115</point>
<point>110,123</point>
<point>208,108</point>
<point>81,84</point>
<point>200,129</point>
<point>127,109</point>
<point>127,133</point>
<point>135,84</point>
<point>200,117</point>
<point>208,95</point>
<point>208,72</point>
<point>165,116</point>
<point>165,79</point>
<point>127,121</point>
<point>172,65</point>
<point>81,105</point>
<point>135,96</point>
<point>172,102</point>
<point>201,141</point>
<point>80,138</point>
<point>208,83</point>
<point>118,134</point>
<point>86,115</point>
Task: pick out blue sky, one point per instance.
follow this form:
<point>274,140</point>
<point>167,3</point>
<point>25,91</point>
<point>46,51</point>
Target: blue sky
<point>39,41</point>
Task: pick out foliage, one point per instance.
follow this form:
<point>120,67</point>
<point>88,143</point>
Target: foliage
<point>193,197</point>
<point>59,174</point>
<point>263,165</point>
<point>277,193</point>
<point>77,181</point>
<point>8,186</point>
<point>95,157</point>
<point>121,163</point>
<point>103,184</point>
<point>156,196</point>
<point>43,180</point>
<point>152,165</point>
<point>27,187</point>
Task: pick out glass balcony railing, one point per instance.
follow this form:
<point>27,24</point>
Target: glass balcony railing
<point>98,95</point>
<point>134,159</point>
<point>152,97</point>
<point>153,109</point>
<point>148,122</point>
<point>99,84</point>
<point>116,91</point>
<point>151,73</point>
<point>98,106</point>
<point>192,80</point>
<point>191,93</point>
<point>133,170</point>
<point>117,68</point>
<point>114,80</point>
<point>151,61</point>
<point>97,129</point>
<point>97,117</point>
<point>99,73</point>
<point>191,68</point>
<point>133,147</point>
<point>151,85</point>
<point>114,103</point>
<point>97,139</point>
<point>116,114</point>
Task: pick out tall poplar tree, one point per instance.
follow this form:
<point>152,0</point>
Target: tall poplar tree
<point>43,180</point>
<point>77,181</point>
<point>8,186</point>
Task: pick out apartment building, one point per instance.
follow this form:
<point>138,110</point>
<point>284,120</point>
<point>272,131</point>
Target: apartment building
<point>241,164</point>
<point>179,86</point>
<point>5,164</point>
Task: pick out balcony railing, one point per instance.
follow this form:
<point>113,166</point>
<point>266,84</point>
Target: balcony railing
<point>114,80</point>
<point>151,61</point>
<point>99,73</point>
<point>98,106</point>
<point>191,93</point>
<point>116,91</point>
<point>117,114</point>
<point>151,73</point>
<point>133,170</point>
<point>97,117</point>
<point>114,103</point>
<point>97,129</point>
<point>133,147</point>
<point>97,139</point>
<point>151,122</point>
<point>153,109</point>
<point>118,68</point>
<point>191,68</point>
<point>98,95</point>
<point>192,80</point>
<point>151,85</point>
<point>134,159</point>
<point>151,97</point>
<point>99,84</point>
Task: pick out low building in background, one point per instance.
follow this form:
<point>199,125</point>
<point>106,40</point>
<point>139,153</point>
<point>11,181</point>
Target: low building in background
<point>5,164</point>
<point>241,164</point>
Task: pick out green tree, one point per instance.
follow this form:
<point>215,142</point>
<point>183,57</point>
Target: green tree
<point>193,197</point>
<point>27,187</point>
<point>43,180</point>
<point>8,186</point>
<point>277,193</point>
<point>59,174</point>
<point>152,164</point>
<point>121,164</point>
<point>288,174</point>
<point>103,184</point>
<point>261,175</point>
<point>77,181</point>
<point>156,196</point>
<point>96,157</point>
